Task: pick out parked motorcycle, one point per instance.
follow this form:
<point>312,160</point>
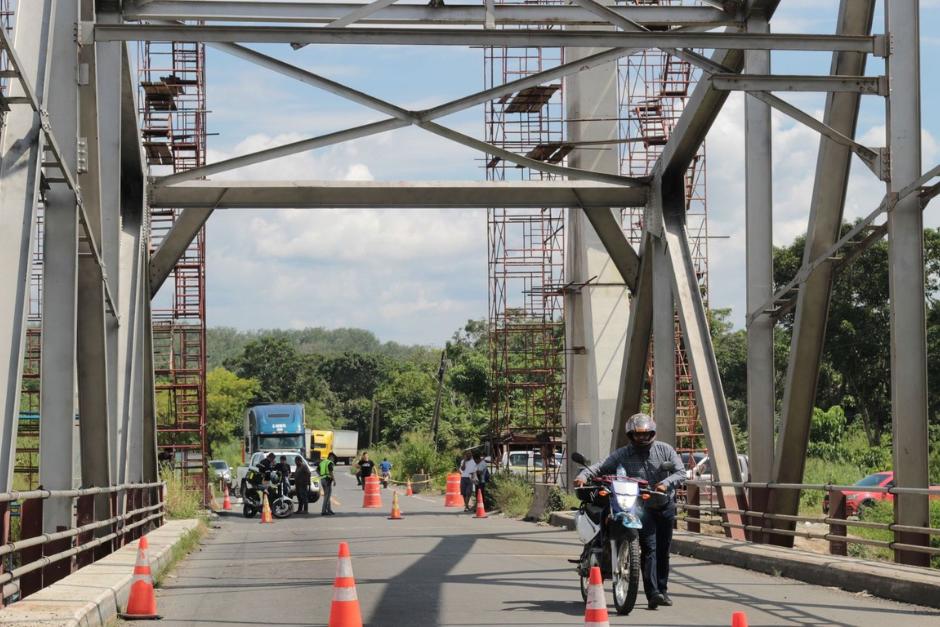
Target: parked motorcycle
<point>256,482</point>
<point>608,523</point>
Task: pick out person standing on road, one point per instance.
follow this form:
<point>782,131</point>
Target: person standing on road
<point>302,485</point>
<point>327,480</point>
<point>366,466</point>
<point>482,472</point>
<point>468,471</point>
<point>643,458</point>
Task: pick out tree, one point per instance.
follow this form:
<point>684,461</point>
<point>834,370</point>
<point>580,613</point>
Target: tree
<point>284,375</point>
<point>227,398</point>
<point>856,358</point>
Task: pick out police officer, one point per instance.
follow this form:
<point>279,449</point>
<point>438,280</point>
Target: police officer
<point>326,468</point>
<point>643,458</point>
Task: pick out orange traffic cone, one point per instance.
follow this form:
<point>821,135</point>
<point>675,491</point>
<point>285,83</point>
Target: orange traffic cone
<point>344,612</point>
<point>739,619</point>
<point>266,516</point>
<point>452,498</point>
<point>595,611</point>
<point>396,513</point>
<point>409,491</point>
<point>226,502</point>
<point>372,495</point>
<point>481,511</point>
<point>141,602</point>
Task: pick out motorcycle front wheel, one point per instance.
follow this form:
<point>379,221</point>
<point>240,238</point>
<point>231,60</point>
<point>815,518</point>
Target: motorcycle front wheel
<point>586,573</point>
<point>627,576</point>
<point>282,508</point>
<point>248,511</point>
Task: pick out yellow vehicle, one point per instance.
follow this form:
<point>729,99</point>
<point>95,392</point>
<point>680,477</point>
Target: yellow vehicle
<point>319,444</point>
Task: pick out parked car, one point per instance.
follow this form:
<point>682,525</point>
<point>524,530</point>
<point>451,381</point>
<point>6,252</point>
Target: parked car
<point>858,500</point>
<point>221,471</point>
<point>703,472</point>
<point>256,457</point>
<point>696,457</point>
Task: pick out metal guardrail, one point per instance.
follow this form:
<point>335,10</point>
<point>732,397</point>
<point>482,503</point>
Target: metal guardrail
<point>839,524</point>
<point>38,558</point>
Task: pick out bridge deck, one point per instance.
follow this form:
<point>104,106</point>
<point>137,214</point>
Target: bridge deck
<point>442,567</point>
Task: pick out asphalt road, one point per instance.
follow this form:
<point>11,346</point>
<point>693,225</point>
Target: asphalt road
<point>441,566</point>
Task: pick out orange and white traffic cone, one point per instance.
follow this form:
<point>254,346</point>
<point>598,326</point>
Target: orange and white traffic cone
<point>409,491</point>
<point>396,513</point>
<point>481,510</point>
<point>141,602</point>
<point>226,502</point>
<point>595,611</point>
<point>738,619</point>
<point>344,612</point>
<point>266,516</point>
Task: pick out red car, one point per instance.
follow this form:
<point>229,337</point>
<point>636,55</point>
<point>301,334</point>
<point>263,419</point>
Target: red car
<point>858,499</point>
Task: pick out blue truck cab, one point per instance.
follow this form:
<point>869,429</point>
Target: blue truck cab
<point>275,427</point>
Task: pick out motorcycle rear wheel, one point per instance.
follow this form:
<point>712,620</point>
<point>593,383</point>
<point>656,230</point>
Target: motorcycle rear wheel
<point>627,581</point>
<point>248,511</point>
<point>586,574</point>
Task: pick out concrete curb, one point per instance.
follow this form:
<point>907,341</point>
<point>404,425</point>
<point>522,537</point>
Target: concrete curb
<point>906,584</point>
<point>91,596</point>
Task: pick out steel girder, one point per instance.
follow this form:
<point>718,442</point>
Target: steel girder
<point>60,282</point>
<point>812,308</point>
<point>20,152</point>
<point>451,14</point>
<point>906,281</point>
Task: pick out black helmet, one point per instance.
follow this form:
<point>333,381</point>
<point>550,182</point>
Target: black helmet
<point>641,424</point>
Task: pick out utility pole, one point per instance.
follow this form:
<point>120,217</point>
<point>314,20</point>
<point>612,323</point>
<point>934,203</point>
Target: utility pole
<point>372,422</point>
<point>435,422</point>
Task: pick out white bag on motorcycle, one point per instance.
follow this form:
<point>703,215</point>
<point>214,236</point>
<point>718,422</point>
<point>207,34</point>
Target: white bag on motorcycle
<point>585,527</point>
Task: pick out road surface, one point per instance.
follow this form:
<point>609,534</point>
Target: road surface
<point>441,566</point>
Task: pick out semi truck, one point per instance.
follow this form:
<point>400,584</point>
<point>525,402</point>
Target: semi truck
<point>277,427</point>
<point>343,444</point>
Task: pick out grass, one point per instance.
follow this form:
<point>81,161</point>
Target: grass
<point>883,512</point>
<point>511,494</point>
<point>824,471</point>
<point>186,545</point>
<point>182,501</point>
<point>230,451</point>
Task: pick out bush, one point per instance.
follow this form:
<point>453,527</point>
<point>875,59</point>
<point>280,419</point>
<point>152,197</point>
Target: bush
<point>417,452</point>
<point>883,512</point>
<point>183,500</point>
<point>561,501</point>
<point>511,494</point>
<point>824,471</point>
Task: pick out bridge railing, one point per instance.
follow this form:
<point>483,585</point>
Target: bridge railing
<point>702,508</point>
<point>36,559</point>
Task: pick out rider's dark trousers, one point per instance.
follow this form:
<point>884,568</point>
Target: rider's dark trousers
<point>655,538</point>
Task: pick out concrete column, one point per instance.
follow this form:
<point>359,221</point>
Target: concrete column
<point>759,265</point>
<point>906,278</point>
<point>603,305</point>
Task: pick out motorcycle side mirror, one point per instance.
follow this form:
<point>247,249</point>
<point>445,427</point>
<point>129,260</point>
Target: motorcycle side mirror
<point>578,458</point>
<point>668,466</point>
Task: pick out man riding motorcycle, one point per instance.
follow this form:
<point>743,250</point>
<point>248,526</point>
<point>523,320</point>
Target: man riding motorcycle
<point>644,458</point>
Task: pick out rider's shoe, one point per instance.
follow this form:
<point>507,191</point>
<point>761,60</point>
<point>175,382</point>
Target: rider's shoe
<point>655,601</point>
<point>666,600</point>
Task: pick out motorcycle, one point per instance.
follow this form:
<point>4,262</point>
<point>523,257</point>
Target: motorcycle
<point>257,482</point>
<point>608,522</point>
<point>386,476</point>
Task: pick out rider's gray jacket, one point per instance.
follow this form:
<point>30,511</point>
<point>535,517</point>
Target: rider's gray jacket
<point>642,463</point>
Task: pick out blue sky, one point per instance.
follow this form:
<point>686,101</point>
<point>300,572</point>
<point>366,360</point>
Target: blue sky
<point>416,276</point>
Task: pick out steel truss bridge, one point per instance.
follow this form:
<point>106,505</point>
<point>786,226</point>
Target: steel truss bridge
<point>71,141</point>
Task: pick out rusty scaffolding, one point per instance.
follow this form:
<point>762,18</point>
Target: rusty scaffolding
<point>525,261</point>
<point>172,100</point>
<point>654,88</point>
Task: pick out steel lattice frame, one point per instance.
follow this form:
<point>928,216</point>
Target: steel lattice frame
<point>98,329</point>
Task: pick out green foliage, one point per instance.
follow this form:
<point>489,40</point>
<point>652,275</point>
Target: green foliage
<point>883,512</point>
<point>825,434</point>
<point>182,501</point>
<point>417,453</point>
<point>511,494</point>
<point>230,451</point>
<point>825,472</point>
<point>227,397</point>
<point>561,501</point>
